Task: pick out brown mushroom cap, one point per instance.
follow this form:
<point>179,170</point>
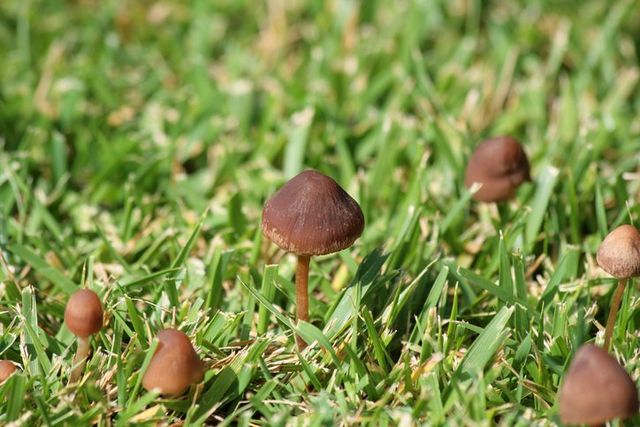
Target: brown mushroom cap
<point>174,366</point>
<point>500,165</point>
<point>619,252</point>
<point>6,369</point>
<point>83,314</point>
<point>596,389</point>
<point>312,215</point>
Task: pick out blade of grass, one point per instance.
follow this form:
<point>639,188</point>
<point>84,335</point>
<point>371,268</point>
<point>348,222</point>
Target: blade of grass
<point>546,182</point>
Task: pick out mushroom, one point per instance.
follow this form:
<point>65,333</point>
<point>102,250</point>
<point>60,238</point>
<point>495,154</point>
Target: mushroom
<point>174,365</point>
<point>6,369</point>
<point>311,215</point>
<point>83,316</point>
<point>619,255</point>
<point>596,389</point>
<point>500,165</point>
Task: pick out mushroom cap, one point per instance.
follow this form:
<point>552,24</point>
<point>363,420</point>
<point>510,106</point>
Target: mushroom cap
<point>174,366</point>
<point>596,389</point>
<point>312,215</point>
<point>500,165</point>
<point>83,314</point>
<point>6,369</point>
<point>619,252</point>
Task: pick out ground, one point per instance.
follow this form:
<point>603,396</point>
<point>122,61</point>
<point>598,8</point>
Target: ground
<point>140,140</point>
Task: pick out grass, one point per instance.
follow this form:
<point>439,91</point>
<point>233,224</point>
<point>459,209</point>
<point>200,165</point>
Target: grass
<point>139,141</point>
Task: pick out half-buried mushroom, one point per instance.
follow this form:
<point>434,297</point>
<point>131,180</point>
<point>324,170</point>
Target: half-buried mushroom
<point>174,365</point>
<point>596,389</point>
<point>311,215</point>
<point>6,369</point>
<point>500,165</point>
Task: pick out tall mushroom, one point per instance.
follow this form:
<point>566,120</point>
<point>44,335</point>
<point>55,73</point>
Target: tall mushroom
<point>174,365</point>
<point>500,165</point>
<point>83,316</point>
<point>311,215</point>
<point>619,255</point>
<point>596,389</point>
<point>6,369</point>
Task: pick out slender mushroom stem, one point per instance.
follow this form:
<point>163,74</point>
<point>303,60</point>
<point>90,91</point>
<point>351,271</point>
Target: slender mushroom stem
<point>302,293</point>
<point>79,359</point>
<point>613,312</point>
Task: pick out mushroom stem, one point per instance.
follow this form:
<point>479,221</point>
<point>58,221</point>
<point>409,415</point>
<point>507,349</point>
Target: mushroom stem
<point>79,359</point>
<point>302,293</point>
<point>613,312</point>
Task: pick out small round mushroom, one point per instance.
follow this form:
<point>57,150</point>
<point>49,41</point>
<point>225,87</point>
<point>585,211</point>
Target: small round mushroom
<point>83,317</point>
<point>500,165</point>
<point>311,215</point>
<point>596,389</point>
<point>619,255</point>
<point>174,366</point>
<point>6,369</point>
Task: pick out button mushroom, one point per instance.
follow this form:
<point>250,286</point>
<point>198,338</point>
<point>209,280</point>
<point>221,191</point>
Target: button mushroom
<point>596,389</point>
<point>83,317</point>
<point>619,255</point>
<point>311,215</point>
<point>6,369</point>
<point>174,365</point>
<point>500,165</point>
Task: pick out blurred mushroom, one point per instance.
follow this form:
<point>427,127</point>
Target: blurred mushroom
<point>619,255</point>
<point>596,389</point>
<point>174,365</point>
<point>500,165</point>
<point>83,316</point>
<point>6,369</point>
<point>311,215</point>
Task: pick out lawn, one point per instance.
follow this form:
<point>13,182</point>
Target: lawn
<point>140,140</point>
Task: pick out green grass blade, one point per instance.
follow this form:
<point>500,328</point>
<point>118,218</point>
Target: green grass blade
<point>545,184</point>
